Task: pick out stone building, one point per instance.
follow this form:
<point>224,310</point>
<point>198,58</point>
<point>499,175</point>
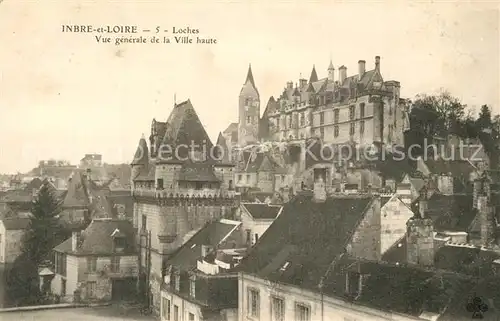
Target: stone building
<point>361,110</point>
<point>176,190</point>
<point>97,264</point>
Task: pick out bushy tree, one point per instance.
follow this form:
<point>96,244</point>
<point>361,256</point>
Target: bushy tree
<point>44,231</point>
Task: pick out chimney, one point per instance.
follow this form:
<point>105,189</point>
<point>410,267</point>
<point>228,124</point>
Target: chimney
<point>319,190</point>
<point>205,249</point>
<point>289,85</point>
<point>75,241</point>
<point>486,217</point>
<point>361,68</point>
<point>420,241</point>
<point>302,83</point>
<point>342,74</point>
<point>423,202</point>
<point>445,184</point>
<point>377,63</point>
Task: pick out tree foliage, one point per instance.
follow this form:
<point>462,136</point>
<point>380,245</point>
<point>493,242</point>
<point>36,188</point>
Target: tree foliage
<point>43,234</point>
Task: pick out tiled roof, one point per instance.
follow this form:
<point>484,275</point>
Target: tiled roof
<point>233,127</point>
<point>467,259</point>
<point>16,223</point>
<point>457,168</point>
<point>314,75</point>
<point>141,156</point>
<point>184,128</point>
<point>17,196</point>
<point>451,212</point>
<point>212,234</point>
<point>307,235</point>
<point>76,195</point>
<point>262,211</point>
<point>197,172</point>
<point>388,287</point>
<point>97,238</point>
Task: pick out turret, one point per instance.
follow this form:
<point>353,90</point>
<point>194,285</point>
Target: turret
<point>141,160</point>
<point>331,71</point>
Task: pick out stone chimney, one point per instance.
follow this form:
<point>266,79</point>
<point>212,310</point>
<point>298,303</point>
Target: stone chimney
<point>486,217</point>
<point>75,241</point>
<point>377,63</point>
<point>445,184</point>
<point>361,68</point>
<point>342,74</point>
<point>420,234</point>
<point>319,184</point>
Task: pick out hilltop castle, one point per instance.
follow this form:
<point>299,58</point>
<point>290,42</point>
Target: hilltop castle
<point>359,110</point>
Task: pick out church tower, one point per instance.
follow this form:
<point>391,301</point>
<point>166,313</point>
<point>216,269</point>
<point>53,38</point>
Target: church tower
<point>249,112</point>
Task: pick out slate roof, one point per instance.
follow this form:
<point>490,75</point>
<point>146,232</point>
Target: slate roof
<point>212,234</point>
<point>467,259</point>
<point>141,156</point>
<point>76,195</point>
<point>197,172</point>
<point>97,238</point>
<point>184,128</point>
<point>17,196</point>
<point>457,168</point>
<point>16,223</point>
<point>309,236</point>
<point>262,210</point>
<point>451,212</point>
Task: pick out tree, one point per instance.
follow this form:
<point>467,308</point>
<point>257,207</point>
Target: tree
<point>44,231</point>
<point>484,120</point>
<point>449,111</point>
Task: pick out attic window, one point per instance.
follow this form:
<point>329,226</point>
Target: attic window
<point>353,283</point>
<point>285,266</point>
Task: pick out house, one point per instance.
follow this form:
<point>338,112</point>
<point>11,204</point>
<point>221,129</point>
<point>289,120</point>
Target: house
<point>315,263</point>
<point>97,264</point>
<point>91,160</point>
<point>256,219</point>
<point>12,231</point>
<point>394,215</point>
<point>197,283</point>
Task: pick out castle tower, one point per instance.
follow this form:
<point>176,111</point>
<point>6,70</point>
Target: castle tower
<point>420,234</point>
<point>141,160</point>
<point>249,112</point>
<point>331,71</point>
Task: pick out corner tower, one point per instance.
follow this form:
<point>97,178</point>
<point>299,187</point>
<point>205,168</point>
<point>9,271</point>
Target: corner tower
<point>248,112</point>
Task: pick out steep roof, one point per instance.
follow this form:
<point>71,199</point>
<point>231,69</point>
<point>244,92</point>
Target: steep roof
<point>262,210</point>
<point>141,156</point>
<point>250,76</point>
<point>222,147</point>
<point>451,212</point>
<point>314,76</point>
<point>184,128</point>
<point>307,235</point>
<point>76,195</point>
<point>233,127</point>
<point>97,238</point>
<point>212,234</point>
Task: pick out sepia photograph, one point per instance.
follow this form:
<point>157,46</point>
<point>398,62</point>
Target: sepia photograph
<point>250,160</point>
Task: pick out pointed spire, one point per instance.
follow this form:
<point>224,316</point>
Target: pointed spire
<point>250,75</point>
<point>330,67</point>
<point>141,156</point>
<point>314,75</point>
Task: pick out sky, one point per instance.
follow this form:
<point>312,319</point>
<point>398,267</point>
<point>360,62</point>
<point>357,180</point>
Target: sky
<point>63,95</point>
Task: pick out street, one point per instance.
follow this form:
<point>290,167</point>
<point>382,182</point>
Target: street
<point>78,314</point>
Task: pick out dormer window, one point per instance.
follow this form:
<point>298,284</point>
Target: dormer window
<point>192,286</point>
<point>119,241</point>
<point>177,281</point>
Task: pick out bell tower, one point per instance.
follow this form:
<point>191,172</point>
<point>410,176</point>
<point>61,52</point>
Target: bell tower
<point>248,112</point>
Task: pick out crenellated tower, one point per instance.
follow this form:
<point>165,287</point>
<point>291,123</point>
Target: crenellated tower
<point>249,112</point>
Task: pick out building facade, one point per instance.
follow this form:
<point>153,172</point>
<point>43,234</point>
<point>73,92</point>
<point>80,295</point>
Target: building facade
<point>176,191</point>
